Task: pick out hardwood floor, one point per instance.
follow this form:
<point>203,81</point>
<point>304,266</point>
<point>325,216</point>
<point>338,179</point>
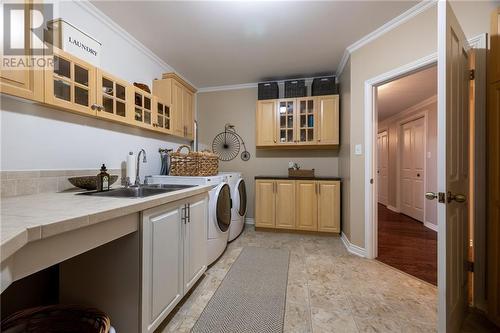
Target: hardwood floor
<point>404,243</point>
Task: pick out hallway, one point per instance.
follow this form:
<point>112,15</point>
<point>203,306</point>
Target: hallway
<point>404,243</point>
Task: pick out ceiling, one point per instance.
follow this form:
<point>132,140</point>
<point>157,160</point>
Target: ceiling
<point>400,94</point>
<point>225,43</point>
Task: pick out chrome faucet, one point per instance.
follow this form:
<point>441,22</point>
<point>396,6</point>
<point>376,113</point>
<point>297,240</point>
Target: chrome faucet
<point>144,160</point>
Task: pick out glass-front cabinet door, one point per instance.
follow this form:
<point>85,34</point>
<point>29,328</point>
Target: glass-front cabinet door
<point>70,83</point>
<point>113,97</point>
<point>143,108</point>
<point>306,122</point>
<point>162,120</point>
<point>286,121</point>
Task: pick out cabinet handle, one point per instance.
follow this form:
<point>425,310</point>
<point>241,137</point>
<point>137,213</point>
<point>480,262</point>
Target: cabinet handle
<point>189,213</point>
<point>94,107</point>
<point>319,188</point>
<point>183,214</point>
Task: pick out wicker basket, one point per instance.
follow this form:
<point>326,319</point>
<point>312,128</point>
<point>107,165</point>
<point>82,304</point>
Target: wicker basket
<point>191,163</point>
<point>58,319</point>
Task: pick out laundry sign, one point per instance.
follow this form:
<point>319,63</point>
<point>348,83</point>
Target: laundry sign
<point>72,40</point>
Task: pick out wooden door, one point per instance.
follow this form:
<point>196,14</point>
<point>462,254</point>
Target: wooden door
<point>24,83</point>
<point>286,122</point>
<point>307,205</point>
<point>114,98</point>
<point>412,160</point>
<point>143,109</point>
<point>452,171</point>
<point>329,206</point>
<point>285,204</point>
<point>383,167</point>
<point>195,238</point>
<point>162,262</point>
<point>264,203</point>
<point>306,120</point>
<point>177,108</point>
<point>162,119</point>
<point>71,84</point>
<point>328,120</point>
<point>188,113</point>
<point>266,123</point>
<point>494,73</point>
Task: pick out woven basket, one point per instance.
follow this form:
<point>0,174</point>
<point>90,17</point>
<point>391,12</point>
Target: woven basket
<point>58,319</point>
<point>203,163</point>
<point>208,163</point>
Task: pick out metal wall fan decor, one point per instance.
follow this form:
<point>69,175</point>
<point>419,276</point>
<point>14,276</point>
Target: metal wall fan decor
<point>227,145</point>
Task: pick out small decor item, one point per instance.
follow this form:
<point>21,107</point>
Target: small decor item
<point>89,182</point>
<point>227,144</point>
<point>143,87</point>
<point>103,179</point>
<point>299,173</point>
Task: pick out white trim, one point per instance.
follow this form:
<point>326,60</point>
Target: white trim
<point>479,42</point>
<point>249,220</point>
<point>228,87</point>
<point>354,249</point>
<point>118,30</point>
<point>388,26</point>
<point>431,226</point>
<point>394,209</point>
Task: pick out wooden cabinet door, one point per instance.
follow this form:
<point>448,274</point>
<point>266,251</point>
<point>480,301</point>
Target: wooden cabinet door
<point>71,84</point>
<point>114,98</point>
<point>494,73</point>
<point>177,108</point>
<point>24,83</point>
<point>286,122</point>
<point>162,264</point>
<point>266,123</point>
<point>162,118</point>
<point>306,121</point>
<point>188,113</point>
<point>328,120</point>
<point>195,240</point>
<point>328,206</point>
<point>285,204</point>
<point>143,109</point>
<point>264,203</point>
<point>306,205</point>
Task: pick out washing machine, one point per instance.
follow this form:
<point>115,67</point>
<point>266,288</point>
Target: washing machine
<point>219,209</point>
<point>239,203</point>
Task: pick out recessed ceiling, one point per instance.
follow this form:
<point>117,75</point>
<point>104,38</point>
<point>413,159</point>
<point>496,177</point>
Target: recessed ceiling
<point>400,94</point>
<point>224,43</point>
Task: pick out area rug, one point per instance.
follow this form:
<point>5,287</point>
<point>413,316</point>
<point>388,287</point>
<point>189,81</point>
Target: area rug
<point>251,298</point>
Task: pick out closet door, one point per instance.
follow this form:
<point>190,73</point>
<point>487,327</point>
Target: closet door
<point>382,167</point>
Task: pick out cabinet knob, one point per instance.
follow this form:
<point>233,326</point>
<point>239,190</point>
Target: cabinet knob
<point>94,107</point>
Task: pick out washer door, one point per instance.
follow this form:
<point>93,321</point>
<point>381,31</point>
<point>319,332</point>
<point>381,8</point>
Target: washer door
<point>242,195</point>
<point>223,207</point>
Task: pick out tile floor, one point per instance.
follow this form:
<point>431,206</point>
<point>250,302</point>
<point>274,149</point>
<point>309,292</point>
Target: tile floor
<point>329,290</point>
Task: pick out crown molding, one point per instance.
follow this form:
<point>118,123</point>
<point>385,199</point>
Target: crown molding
<point>117,29</point>
<point>410,110</point>
<point>388,26</point>
<point>228,87</point>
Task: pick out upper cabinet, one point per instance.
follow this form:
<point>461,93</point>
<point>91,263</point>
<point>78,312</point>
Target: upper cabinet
<point>306,122</point>
<point>163,116</point>
<point>180,95</point>
<point>143,108</point>
<point>24,83</point>
<point>114,98</point>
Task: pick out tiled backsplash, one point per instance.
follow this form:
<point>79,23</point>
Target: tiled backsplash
<point>14,183</point>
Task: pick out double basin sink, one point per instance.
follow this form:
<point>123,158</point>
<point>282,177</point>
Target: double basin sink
<point>139,191</point>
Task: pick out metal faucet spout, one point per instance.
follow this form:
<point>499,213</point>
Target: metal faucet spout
<point>144,160</point>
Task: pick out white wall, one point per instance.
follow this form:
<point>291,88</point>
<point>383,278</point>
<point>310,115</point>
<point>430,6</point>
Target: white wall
<point>34,137</point>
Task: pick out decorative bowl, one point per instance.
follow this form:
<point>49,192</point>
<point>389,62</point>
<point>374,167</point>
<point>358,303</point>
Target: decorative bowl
<point>90,182</point>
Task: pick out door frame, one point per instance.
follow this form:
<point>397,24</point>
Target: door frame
<point>371,132</point>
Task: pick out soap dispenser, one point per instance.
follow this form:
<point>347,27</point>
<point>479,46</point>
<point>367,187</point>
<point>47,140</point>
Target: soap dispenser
<point>103,179</point>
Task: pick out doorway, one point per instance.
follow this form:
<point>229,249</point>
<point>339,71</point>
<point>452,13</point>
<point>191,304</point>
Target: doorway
<point>406,168</point>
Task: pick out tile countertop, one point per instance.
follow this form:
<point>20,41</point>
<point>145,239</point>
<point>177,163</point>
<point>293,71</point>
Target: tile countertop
<point>299,178</point>
<point>25,219</point>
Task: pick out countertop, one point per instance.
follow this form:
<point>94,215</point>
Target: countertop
<point>25,219</point>
<point>299,178</point>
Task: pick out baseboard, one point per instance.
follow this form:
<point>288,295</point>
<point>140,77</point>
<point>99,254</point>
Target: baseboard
<point>394,209</point>
<point>249,220</point>
<point>354,249</point>
<point>431,226</point>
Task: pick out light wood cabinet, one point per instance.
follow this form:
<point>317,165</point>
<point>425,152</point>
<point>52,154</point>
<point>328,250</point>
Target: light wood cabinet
<point>181,97</point>
<point>24,83</point>
<point>114,98</point>
<point>307,205</point>
<point>143,109</point>
<point>265,203</point>
<point>265,124</point>
<point>298,123</point>
<point>71,84</point>
<point>162,116</point>
<point>285,204</point>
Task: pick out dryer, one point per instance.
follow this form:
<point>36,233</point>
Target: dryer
<point>219,209</point>
<point>239,203</point>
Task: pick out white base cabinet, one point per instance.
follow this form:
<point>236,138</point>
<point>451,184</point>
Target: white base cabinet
<point>174,256</point>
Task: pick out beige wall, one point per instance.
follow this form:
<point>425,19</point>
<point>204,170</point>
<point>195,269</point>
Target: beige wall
<point>238,108</point>
<point>392,126</point>
<point>344,153</point>
<point>409,42</point>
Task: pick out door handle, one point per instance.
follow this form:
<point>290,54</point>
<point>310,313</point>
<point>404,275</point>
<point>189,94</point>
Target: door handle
<point>460,198</point>
<point>431,195</point>
<point>418,175</point>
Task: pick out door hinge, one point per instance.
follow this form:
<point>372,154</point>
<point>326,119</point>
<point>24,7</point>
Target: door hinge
<point>472,74</point>
<point>469,266</point>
